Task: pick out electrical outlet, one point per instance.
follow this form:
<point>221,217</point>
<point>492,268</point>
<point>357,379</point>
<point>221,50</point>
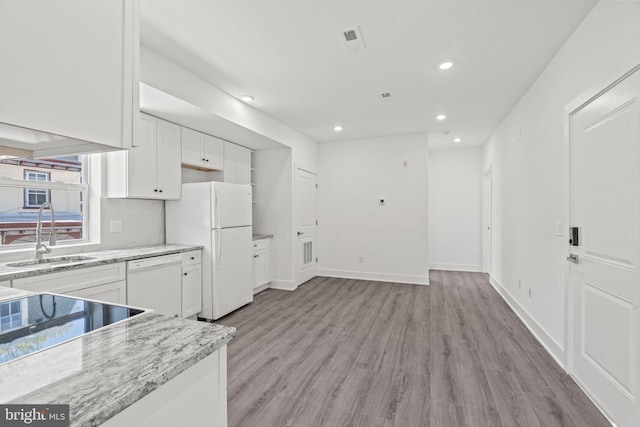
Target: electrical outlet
<point>529,292</point>
<point>361,259</point>
<point>115,226</point>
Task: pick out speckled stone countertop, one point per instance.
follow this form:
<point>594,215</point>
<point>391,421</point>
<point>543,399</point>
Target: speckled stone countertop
<point>100,258</point>
<point>101,373</point>
<point>262,236</point>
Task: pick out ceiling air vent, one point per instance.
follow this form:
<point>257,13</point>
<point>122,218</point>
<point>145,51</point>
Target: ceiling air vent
<point>353,39</point>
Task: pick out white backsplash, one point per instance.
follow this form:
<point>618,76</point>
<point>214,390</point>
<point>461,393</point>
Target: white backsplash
<point>142,223</point>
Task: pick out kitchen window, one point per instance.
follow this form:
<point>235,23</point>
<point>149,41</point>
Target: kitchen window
<point>26,184</point>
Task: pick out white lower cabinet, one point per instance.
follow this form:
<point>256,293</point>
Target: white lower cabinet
<point>71,282</point>
<point>196,397</point>
<point>261,274</point>
<point>175,292</point>
<point>191,284</point>
<point>114,293</point>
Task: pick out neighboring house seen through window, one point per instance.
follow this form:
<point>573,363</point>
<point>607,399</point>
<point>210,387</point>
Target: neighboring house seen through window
<point>25,184</point>
<point>34,197</point>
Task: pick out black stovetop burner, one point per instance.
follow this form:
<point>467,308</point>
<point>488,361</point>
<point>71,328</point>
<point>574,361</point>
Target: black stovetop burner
<point>40,321</point>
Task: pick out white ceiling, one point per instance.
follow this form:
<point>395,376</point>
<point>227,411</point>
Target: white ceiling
<point>290,56</point>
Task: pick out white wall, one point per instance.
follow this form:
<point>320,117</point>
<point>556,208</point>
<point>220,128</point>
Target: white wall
<point>455,209</point>
<point>272,212</point>
<point>354,175</point>
<point>530,173</point>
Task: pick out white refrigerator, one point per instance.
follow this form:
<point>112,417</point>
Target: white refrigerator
<point>216,215</point>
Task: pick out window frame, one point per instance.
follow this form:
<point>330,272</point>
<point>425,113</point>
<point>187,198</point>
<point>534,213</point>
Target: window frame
<point>83,187</point>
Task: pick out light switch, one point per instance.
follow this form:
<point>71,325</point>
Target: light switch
<point>559,228</point>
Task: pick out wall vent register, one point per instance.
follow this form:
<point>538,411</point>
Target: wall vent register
<point>37,322</point>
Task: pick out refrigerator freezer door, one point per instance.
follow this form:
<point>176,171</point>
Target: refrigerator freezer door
<point>231,205</point>
<point>232,270</point>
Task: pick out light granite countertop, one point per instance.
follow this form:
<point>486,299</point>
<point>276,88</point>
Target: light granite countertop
<point>103,372</point>
<point>100,258</point>
<point>262,236</point>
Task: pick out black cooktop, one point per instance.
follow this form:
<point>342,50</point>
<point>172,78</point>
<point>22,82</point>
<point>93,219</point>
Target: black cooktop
<point>40,321</point>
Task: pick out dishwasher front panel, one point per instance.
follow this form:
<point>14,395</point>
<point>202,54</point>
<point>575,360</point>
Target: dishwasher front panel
<point>158,287</point>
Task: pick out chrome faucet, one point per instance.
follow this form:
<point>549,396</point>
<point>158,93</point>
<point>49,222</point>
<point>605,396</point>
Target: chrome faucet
<point>41,248</point>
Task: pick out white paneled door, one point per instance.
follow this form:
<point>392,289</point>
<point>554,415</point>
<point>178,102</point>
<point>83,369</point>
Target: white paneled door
<point>605,283</point>
<point>305,207</point>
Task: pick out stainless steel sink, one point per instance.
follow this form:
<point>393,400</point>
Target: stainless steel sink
<point>53,260</point>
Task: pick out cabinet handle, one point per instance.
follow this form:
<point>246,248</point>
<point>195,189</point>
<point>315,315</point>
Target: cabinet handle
<point>156,190</point>
<point>193,257</point>
<point>203,159</point>
<point>160,191</point>
<point>185,274</point>
<point>175,315</point>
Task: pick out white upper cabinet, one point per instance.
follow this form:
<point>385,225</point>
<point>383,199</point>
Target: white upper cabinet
<point>237,164</point>
<point>150,170</point>
<point>169,178</point>
<point>201,151</point>
<point>70,67</point>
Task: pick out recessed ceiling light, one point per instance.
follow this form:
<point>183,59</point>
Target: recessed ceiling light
<point>445,65</point>
<point>456,140</point>
<point>337,128</point>
<point>441,117</point>
<point>247,98</point>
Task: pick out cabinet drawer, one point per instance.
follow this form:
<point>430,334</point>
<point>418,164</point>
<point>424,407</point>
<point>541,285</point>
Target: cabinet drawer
<point>192,257</point>
<point>66,281</point>
<point>259,244</point>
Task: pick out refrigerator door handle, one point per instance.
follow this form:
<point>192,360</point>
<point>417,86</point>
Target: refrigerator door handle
<point>218,247</point>
<point>218,219</point>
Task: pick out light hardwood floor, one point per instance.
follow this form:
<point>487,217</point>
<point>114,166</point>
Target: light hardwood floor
<point>340,352</point>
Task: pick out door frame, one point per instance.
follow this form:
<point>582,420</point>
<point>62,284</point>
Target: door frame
<point>487,223</point>
<point>296,262</point>
<point>618,73</point>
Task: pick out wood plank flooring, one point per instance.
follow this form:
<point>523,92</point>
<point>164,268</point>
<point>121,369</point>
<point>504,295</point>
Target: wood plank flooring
<point>339,352</point>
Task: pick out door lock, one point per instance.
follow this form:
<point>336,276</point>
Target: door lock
<point>574,258</point>
<point>574,236</point>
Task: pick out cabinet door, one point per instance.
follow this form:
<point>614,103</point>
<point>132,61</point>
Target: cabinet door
<point>260,268</point>
<point>115,293</point>
<point>192,148</point>
<point>243,166</point>
<point>191,290</point>
<point>213,152</point>
<point>141,161</point>
<point>59,57</point>
<point>168,156</point>
<point>230,162</point>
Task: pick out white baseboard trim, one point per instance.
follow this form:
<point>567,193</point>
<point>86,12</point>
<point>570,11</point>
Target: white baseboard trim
<point>457,267</point>
<point>283,285</point>
<point>378,277</point>
<point>261,288</point>
<point>553,348</point>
